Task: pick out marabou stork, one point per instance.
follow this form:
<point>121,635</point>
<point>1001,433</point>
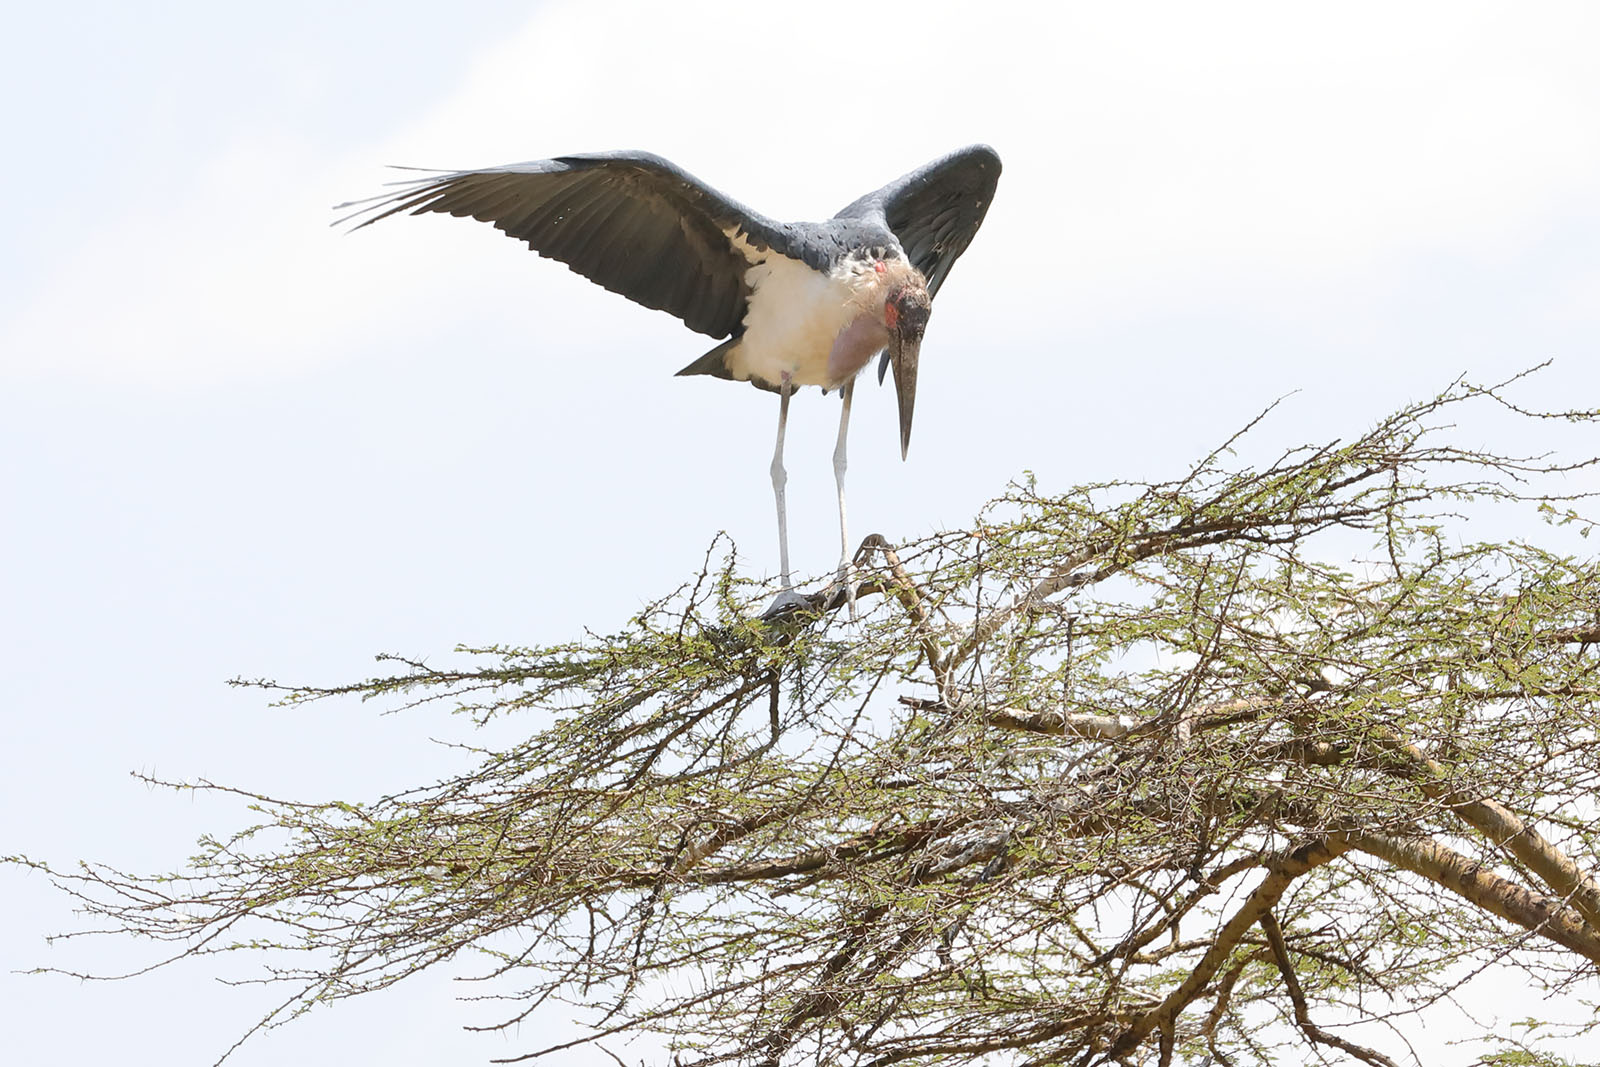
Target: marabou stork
<point>799,303</point>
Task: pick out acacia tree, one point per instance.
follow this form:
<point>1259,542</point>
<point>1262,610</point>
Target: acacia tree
<point>1138,773</point>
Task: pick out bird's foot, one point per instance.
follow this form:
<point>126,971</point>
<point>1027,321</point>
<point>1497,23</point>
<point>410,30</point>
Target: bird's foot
<point>851,581</point>
<point>786,602</point>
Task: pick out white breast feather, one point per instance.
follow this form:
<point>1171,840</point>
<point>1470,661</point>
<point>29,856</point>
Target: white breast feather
<point>794,315</point>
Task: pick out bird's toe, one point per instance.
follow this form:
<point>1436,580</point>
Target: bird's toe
<point>786,602</point>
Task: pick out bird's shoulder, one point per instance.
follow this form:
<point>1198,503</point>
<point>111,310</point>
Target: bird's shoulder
<point>823,245</point>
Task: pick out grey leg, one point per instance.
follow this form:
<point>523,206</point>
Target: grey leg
<point>779,477</point>
<point>846,566</point>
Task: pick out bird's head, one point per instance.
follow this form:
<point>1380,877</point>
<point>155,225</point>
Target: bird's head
<point>905,313</point>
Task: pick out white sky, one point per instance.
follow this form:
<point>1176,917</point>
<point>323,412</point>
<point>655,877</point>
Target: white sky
<point>234,441</point>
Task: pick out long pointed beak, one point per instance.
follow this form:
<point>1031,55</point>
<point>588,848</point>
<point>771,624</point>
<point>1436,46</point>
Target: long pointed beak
<point>903,353</point>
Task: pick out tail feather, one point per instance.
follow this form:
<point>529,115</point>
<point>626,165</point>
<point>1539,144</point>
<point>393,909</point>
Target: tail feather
<point>714,362</point>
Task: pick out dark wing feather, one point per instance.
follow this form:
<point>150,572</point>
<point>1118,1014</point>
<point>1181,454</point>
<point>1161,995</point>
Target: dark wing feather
<point>936,209</point>
<point>629,221</point>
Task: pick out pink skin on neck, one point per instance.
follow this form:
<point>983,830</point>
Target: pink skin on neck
<point>856,344</point>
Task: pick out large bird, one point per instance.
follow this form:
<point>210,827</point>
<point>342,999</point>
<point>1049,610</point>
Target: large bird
<point>799,303</point>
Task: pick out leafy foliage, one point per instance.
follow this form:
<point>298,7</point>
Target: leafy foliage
<point>1138,772</point>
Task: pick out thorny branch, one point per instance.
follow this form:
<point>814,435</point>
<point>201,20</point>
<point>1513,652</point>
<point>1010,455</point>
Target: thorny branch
<point>1095,780</point>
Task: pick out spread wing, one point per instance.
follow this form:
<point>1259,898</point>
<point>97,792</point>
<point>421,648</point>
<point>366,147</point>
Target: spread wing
<point>630,221</point>
<point>936,209</point>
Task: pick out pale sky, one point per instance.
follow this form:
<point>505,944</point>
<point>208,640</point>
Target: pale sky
<point>235,441</point>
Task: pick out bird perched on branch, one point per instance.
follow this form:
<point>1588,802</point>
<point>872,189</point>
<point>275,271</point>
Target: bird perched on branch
<point>799,303</point>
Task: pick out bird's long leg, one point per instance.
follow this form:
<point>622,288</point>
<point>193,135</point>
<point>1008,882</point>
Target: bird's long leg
<point>779,477</point>
<point>846,567</point>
